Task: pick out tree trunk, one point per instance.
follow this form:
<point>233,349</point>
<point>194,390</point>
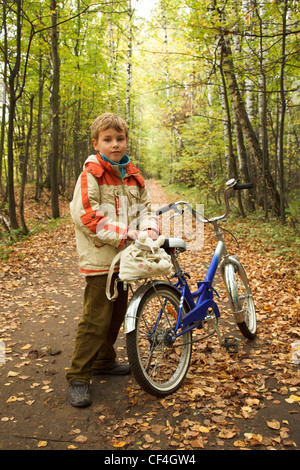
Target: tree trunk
<point>243,164</point>
<point>55,104</point>
<point>248,47</point>
<point>242,116</point>
<point>39,125</point>
<point>3,120</point>
<point>113,59</point>
<point>281,118</point>
<point>11,120</point>
<point>129,66</point>
<point>231,160</point>
<point>262,105</point>
<point>76,128</point>
<point>178,142</point>
<point>24,170</point>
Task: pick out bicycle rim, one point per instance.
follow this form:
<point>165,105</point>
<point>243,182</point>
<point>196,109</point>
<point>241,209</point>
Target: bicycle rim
<point>159,363</point>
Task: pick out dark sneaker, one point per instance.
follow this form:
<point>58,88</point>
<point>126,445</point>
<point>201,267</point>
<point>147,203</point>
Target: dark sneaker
<point>115,369</point>
<point>79,394</point>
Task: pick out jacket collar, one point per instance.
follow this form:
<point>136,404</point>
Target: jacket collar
<point>129,167</point>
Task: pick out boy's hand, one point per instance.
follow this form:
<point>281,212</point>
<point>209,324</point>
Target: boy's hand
<point>152,234</point>
<point>132,234</point>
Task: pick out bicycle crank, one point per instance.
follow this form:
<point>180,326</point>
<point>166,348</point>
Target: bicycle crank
<point>211,324</point>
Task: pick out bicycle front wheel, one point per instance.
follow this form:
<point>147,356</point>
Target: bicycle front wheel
<point>159,362</point>
<point>241,298</point>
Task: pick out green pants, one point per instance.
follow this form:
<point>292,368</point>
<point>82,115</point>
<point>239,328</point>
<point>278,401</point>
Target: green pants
<point>97,330</point>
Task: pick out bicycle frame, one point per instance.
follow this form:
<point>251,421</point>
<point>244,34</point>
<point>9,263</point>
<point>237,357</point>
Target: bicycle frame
<point>203,295</point>
<point>220,259</point>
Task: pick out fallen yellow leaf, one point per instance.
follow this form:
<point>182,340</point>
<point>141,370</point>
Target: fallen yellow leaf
<point>11,399</point>
<point>226,434</point>
<point>254,437</point>
<point>274,424</point>
<point>200,428</point>
<point>30,402</point>
<point>246,410</point>
<point>11,373</point>
<point>119,444</point>
<point>42,443</point>
<point>197,443</point>
<point>75,431</point>
<point>81,438</point>
<point>239,443</point>
<point>295,398</point>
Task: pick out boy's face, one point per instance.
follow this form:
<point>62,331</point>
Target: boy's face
<point>112,144</point>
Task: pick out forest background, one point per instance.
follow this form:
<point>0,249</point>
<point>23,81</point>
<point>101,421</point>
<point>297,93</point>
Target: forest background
<point>210,91</point>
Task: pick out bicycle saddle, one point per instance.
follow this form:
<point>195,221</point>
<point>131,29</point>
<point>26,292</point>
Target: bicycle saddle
<point>172,243</point>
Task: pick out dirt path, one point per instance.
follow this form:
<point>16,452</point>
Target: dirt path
<point>241,402</point>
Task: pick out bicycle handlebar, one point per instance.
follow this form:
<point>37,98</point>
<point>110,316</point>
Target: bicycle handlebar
<point>243,186</point>
<point>231,184</point>
<point>164,209</point>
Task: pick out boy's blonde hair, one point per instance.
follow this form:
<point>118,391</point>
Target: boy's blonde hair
<point>107,121</point>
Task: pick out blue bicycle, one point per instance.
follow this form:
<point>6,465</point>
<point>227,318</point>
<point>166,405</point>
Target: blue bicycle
<point>162,315</point>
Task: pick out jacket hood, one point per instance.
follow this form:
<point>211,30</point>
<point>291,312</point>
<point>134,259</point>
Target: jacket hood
<point>90,159</point>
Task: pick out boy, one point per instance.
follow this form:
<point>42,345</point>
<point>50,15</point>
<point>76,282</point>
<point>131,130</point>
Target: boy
<point>109,194</point>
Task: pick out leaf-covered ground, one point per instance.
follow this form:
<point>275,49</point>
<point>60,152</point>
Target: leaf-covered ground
<point>247,400</point>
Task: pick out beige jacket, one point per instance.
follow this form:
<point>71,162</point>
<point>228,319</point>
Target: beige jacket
<point>104,208</point>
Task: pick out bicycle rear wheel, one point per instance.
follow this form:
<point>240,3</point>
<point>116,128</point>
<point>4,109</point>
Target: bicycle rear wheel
<point>159,363</point>
<point>241,298</point>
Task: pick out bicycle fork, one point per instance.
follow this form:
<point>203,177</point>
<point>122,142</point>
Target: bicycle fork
<point>230,266</point>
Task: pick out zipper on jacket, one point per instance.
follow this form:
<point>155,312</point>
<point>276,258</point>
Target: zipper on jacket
<point>117,202</point>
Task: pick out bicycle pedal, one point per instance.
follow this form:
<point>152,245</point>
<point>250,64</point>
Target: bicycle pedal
<point>231,344</point>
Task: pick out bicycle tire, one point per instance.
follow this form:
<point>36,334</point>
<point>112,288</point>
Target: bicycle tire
<point>241,298</point>
<point>159,365</point>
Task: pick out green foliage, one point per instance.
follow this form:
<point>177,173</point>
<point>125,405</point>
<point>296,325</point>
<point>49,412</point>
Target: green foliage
<point>264,236</point>
<point>177,115</point>
<point>183,88</point>
<point>270,236</point>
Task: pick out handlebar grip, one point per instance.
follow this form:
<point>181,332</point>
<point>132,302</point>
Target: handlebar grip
<point>238,186</point>
<point>164,209</point>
